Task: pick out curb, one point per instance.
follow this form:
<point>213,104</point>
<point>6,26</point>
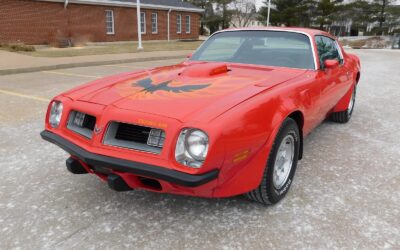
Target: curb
<point>84,64</point>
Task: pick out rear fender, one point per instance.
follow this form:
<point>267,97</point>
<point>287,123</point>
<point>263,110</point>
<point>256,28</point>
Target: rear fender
<point>343,103</point>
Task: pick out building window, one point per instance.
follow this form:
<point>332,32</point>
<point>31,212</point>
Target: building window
<point>179,24</point>
<point>187,24</point>
<point>143,22</point>
<point>110,22</point>
<point>154,23</point>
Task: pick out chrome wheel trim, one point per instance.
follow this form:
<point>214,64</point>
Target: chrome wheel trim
<point>283,161</point>
<point>351,103</point>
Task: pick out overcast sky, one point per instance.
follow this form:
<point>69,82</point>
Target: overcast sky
<point>260,3</point>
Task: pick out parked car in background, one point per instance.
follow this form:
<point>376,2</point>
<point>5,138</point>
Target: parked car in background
<point>230,120</point>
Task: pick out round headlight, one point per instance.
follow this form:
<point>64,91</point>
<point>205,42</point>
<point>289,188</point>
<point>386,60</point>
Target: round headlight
<point>197,144</point>
<point>55,114</point>
<point>192,147</point>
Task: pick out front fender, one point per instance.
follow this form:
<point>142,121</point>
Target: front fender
<point>248,134</point>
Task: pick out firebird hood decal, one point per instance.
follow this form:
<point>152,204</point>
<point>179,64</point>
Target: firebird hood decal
<point>148,86</point>
<point>177,92</point>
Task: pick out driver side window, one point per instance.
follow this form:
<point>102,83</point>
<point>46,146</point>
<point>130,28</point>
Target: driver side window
<point>327,49</point>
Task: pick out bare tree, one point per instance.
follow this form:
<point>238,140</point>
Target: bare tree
<point>243,12</point>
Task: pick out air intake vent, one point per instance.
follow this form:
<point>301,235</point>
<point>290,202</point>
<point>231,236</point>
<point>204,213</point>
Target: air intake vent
<point>81,123</point>
<point>135,137</point>
<point>129,132</point>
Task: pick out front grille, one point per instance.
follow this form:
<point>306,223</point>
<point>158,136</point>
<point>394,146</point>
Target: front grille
<point>130,132</point>
<point>81,123</point>
<point>135,137</point>
<point>89,122</point>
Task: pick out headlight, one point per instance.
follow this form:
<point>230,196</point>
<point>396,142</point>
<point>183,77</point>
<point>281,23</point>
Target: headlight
<point>55,114</point>
<point>192,147</point>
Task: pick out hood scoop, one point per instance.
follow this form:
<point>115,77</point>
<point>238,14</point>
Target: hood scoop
<point>205,70</point>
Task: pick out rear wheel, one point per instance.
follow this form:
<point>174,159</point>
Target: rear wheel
<point>281,165</point>
<point>344,116</point>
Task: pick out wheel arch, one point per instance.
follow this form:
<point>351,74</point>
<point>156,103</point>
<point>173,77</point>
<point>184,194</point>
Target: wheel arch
<point>298,117</point>
<point>358,75</point>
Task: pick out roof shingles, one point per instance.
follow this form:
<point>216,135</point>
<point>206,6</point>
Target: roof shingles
<point>170,3</point>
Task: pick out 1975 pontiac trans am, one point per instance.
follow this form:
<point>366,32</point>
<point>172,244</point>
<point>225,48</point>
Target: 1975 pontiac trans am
<point>229,120</point>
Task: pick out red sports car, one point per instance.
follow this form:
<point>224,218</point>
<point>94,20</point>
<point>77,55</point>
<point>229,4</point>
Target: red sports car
<point>230,120</point>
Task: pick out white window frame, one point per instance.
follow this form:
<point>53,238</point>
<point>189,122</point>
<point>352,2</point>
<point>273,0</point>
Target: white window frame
<point>188,24</point>
<point>154,21</point>
<point>110,30</point>
<point>143,22</point>
<point>179,24</point>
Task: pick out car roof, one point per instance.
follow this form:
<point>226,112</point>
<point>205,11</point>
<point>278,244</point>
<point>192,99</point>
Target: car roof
<point>308,31</point>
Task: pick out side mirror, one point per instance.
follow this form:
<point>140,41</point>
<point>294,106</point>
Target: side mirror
<point>330,63</point>
<point>189,56</point>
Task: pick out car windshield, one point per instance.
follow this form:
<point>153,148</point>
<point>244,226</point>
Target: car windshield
<point>269,48</point>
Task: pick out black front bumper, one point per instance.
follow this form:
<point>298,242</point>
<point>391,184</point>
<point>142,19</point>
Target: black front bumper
<point>137,168</point>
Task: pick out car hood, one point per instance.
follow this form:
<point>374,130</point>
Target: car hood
<point>185,90</point>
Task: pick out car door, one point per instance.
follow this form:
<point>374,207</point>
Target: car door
<point>332,80</point>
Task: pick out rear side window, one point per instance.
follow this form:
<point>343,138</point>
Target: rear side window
<point>327,49</point>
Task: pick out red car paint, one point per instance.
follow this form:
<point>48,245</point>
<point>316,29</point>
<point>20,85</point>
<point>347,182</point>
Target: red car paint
<point>241,109</point>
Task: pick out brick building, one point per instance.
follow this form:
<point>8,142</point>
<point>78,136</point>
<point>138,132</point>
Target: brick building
<point>57,21</point>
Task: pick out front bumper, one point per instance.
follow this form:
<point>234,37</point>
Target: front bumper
<point>136,168</point>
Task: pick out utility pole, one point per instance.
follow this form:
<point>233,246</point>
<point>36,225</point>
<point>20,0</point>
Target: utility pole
<point>140,47</point>
<point>269,11</point>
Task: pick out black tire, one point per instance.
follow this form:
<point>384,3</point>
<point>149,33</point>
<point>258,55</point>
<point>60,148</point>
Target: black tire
<point>266,193</point>
<point>344,116</point>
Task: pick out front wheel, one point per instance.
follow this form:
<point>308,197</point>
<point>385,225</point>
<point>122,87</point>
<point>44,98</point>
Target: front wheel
<point>281,165</point>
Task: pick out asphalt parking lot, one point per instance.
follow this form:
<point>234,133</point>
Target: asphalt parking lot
<point>346,193</point>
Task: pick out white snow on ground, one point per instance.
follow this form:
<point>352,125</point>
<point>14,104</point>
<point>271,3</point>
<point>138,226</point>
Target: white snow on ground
<point>345,193</point>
